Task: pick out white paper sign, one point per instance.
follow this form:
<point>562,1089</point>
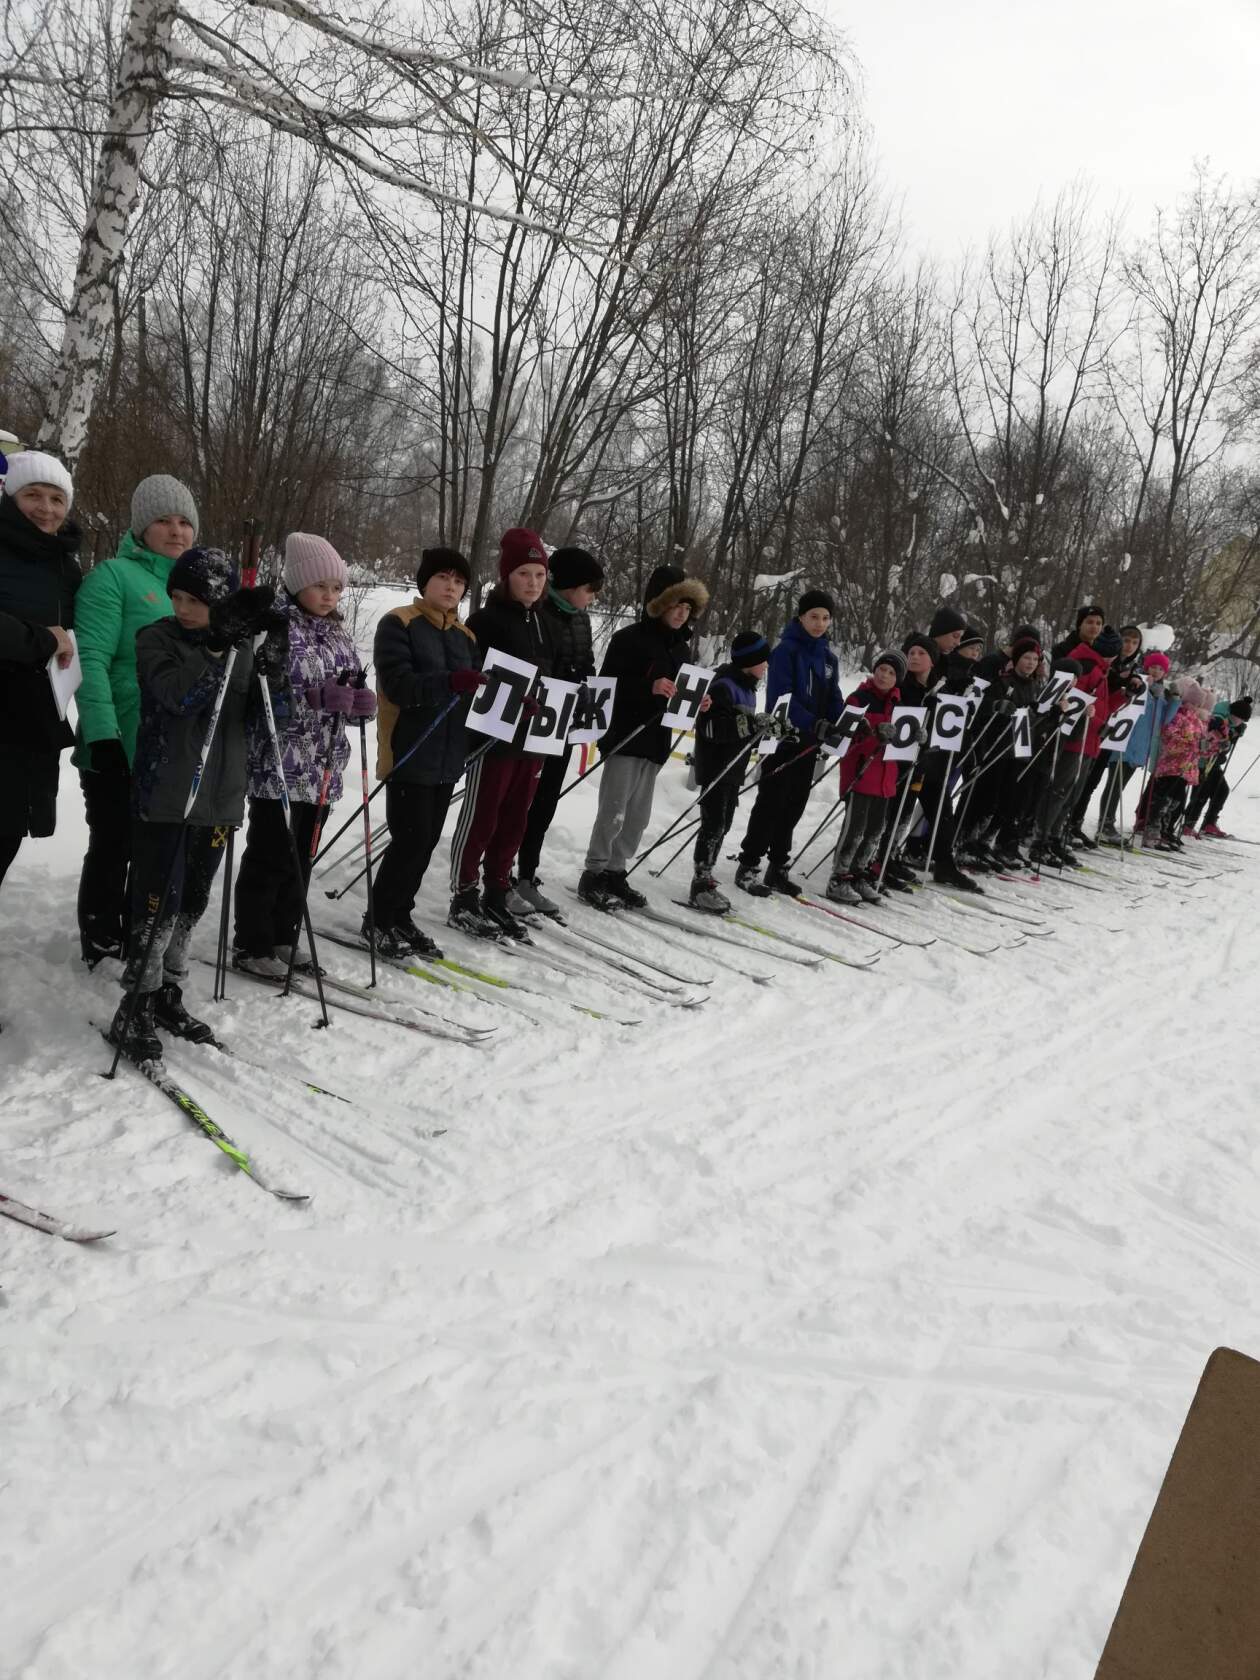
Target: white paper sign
<point>602,691</point>
<point>1057,685</point>
<point>549,728</point>
<point>690,687</point>
<point>1120,726</point>
<point>949,721</point>
<point>496,711</point>
<point>65,683</point>
<point>904,745</point>
<point>846,727</point>
<point>1077,700</point>
<point>1021,732</point>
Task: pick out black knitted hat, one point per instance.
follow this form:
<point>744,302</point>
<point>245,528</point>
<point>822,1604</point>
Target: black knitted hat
<point>945,620</point>
<point>815,598</point>
<point>748,648</point>
<point>206,573</point>
<point>572,567</point>
<point>435,560</point>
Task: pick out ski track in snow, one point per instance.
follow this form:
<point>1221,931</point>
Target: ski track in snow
<point>840,1329</point>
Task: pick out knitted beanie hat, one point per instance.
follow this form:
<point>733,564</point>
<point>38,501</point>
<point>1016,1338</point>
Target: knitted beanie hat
<point>32,466</point>
<point>309,560</point>
<point>945,621</point>
<point>890,656</point>
<point>435,560</point>
<point>1241,708</point>
<point>206,573</point>
<point>1023,645</point>
<point>1107,643</point>
<point>971,637</point>
<point>161,497</point>
<point>519,547</point>
<point>1026,633</point>
<point>749,648</point>
<point>1089,610</point>
<point>1158,662</point>
<point>573,567</point>
<point>815,598</point>
<point>924,642</point>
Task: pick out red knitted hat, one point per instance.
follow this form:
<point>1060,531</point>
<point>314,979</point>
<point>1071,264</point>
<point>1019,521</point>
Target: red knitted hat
<point>519,547</point>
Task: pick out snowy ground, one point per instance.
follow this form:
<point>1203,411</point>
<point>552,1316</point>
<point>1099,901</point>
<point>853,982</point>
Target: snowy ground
<point>840,1329</point>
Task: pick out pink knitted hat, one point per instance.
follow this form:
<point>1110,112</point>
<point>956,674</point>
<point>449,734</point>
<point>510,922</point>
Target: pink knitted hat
<point>309,560</point>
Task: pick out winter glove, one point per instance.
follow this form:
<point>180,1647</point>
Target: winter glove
<point>921,734</point>
<point>271,656</point>
<point>772,723</point>
<point>530,707</point>
<point>241,616</point>
<point>865,729</point>
<point>1004,707</point>
<point>331,696</point>
<point>364,702</point>
<point>109,758</point>
<point>467,681</point>
<point>822,731</point>
<point>885,731</point>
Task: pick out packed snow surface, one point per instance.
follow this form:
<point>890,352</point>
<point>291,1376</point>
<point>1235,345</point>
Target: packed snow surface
<point>840,1328</point>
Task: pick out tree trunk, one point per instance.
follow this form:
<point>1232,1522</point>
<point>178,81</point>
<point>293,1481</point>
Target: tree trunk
<point>116,192</point>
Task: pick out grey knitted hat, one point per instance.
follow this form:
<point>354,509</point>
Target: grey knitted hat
<point>159,497</point>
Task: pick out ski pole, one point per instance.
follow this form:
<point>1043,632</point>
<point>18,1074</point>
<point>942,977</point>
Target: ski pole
<point>211,730</point>
<point>298,872</point>
<point>936,821</point>
<point>221,952</point>
<point>827,821</point>
<point>969,786</point>
<point>413,748</point>
<point>832,815</point>
<point>367,846</point>
<point>901,805</point>
<point>674,826</point>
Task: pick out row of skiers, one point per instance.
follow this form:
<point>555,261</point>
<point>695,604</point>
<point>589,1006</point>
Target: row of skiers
<point>156,625</point>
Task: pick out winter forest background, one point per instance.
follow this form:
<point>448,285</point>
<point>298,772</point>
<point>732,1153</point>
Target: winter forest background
<point>625,273</point>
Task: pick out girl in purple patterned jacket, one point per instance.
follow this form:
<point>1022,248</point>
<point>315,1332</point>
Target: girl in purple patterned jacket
<point>323,666</point>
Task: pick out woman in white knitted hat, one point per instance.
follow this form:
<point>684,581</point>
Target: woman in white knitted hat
<point>324,666</point>
<point>120,597</point>
<point>39,578</point>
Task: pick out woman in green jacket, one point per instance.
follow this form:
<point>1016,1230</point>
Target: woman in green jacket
<point>118,598</point>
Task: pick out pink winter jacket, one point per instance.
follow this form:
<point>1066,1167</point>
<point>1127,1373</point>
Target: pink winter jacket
<point>1179,746</point>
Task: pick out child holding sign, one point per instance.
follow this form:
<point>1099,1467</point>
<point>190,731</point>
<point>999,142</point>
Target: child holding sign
<point>645,658</point>
<point>502,780</point>
<point>576,579</point>
<point>870,780</point>
<point>724,738</point>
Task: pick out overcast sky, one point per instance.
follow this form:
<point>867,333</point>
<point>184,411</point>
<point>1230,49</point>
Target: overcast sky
<point>978,105</point>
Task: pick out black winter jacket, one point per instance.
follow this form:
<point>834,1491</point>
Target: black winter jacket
<point>638,656</point>
<point>179,684</point>
<point>524,632</point>
<point>724,731</point>
<point>571,629</point>
<point>39,578</point>
<point>415,651</point>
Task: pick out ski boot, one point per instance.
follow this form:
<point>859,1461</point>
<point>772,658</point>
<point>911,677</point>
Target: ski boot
<point>266,968</point>
<point>536,902</point>
<point>302,964</point>
<point>841,890</point>
<point>705,896</point>
<point>392,943</point>
<point>494,907</point>
<point>467,915</point>
<point>169,1014</point>
<point>779,881</point>
<point>748,879</point>
<point>140,1042</point>
<point>593,890</point>
<point>947,874</point>
<point>616,883</point>
<point>867,890</point>
<point>1213,831</point>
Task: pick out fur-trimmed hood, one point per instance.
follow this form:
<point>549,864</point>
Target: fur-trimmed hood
<point>667,586</point>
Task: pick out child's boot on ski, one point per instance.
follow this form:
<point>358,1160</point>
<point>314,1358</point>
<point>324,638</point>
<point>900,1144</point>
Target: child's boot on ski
<point>467,915</point>
<point>494,907</point>
<point>705,896</point>
<point>140,1040</point>
<point>867,890</point>
<point>617,884</point>
<point>748,879</point>
<point>779,881</point>
<point>841,890</point>
<point>593,890</point>
<point>537,902</point>
<point>169,1014</point>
